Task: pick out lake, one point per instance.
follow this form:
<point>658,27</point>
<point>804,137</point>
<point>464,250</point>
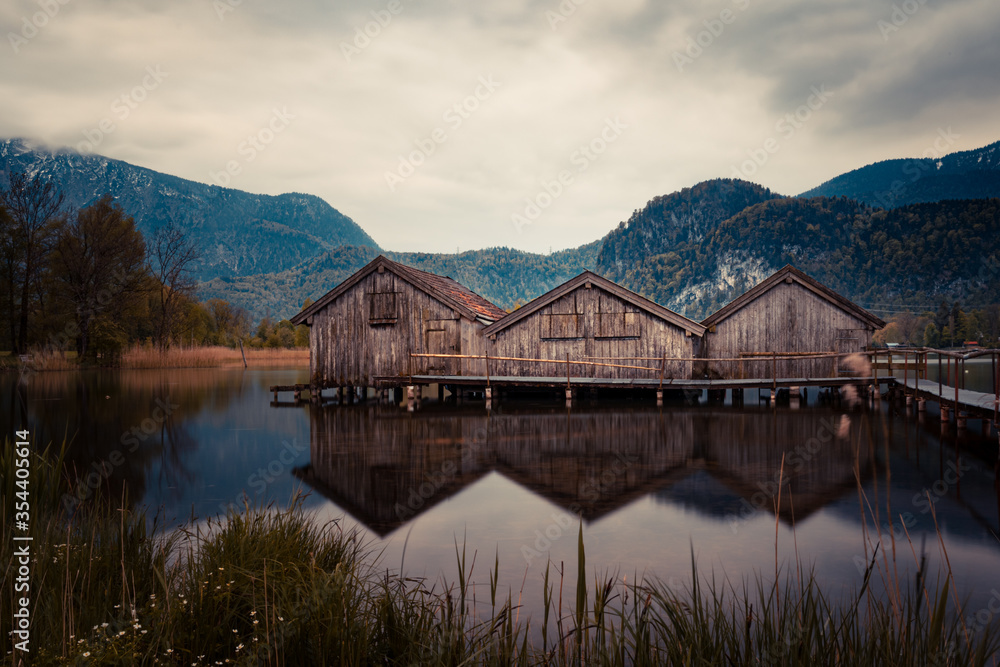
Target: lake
<point>651,486</point>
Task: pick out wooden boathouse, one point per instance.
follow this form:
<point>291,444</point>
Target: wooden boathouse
<point>793,317</point>
<point>371,324</point>
<point>592,318</point>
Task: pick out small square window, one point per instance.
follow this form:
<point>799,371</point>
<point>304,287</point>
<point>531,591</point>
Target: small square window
<point>382,308</point>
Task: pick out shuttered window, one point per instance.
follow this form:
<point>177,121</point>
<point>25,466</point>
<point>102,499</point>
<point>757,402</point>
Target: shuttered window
<point>562,319</point>
<point>615,319</point>
<point>617,325</point>
<point>555,325</point>
<point>382,307</point>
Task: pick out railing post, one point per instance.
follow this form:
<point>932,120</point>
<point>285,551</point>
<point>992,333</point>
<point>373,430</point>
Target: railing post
<point>774,373</point>
<point>569,390</point>
<point>940,387</point>
<point>956,390</point>
<point>996,391</point>
<point>906,373</point>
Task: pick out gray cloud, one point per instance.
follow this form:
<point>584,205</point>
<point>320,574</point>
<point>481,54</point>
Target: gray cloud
<point>360,103</point>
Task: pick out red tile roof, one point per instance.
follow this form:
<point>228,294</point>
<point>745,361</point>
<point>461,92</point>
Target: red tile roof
<point>457,291</point>
<point>442,288</point>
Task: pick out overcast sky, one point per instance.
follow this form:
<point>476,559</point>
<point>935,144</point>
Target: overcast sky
<point>439,125</point>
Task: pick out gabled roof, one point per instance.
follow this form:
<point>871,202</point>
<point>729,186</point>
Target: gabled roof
<point>629,296</point>
<point>444,289</point>
<point>790,274</point>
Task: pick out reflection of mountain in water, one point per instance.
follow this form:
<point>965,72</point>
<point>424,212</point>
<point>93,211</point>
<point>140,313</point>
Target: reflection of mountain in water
<point>385,466</point>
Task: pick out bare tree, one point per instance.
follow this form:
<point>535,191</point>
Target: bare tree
<point>35,208</point>
<point>171,257</point>
<point>99,261</point>
<point>9,278</point>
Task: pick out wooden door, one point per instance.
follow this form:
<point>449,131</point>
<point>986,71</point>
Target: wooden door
<point>442,337</point>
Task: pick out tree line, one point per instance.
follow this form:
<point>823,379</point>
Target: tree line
<point>87,280</point>
<point>949,326</point>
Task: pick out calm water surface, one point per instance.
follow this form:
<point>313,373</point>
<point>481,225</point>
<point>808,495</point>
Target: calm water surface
<point>650,485</point>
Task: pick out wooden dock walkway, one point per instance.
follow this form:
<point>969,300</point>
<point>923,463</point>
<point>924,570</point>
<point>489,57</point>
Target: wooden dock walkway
<point>521,382</point>
<point>975,404</point>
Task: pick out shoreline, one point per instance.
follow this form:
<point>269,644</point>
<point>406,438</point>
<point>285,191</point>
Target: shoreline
<point>141,357</point>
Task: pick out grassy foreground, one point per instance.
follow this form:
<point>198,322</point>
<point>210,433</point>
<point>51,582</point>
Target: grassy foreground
<point>263,587</point>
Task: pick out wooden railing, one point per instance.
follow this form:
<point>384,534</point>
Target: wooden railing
<point>568,363</point>
<point>914,362</point>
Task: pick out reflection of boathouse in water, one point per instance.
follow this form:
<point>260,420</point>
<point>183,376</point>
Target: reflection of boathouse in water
<point>390,325</point>
<point>385,467</point>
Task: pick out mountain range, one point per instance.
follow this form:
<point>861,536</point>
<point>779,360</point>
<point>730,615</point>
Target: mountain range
<point>894,234</point>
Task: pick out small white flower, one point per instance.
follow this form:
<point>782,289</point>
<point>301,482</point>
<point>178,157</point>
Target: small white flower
<point>104,625</point>
<point>86,654</point>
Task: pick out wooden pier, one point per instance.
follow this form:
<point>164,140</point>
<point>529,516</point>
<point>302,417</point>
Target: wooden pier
<point>975,404</point>
<point>900,371</point>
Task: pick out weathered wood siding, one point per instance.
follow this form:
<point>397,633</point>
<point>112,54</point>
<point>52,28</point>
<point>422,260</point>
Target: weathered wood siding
<point>590,322</point>
<point>387,467</point>
<point>371,329</point>
<point>811,453</point>
<point>786,318</point>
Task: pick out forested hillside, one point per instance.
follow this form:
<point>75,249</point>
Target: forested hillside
<point>971,174</point>
<point>504,276</point>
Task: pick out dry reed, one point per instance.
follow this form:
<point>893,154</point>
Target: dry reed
<point>141,356</point>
